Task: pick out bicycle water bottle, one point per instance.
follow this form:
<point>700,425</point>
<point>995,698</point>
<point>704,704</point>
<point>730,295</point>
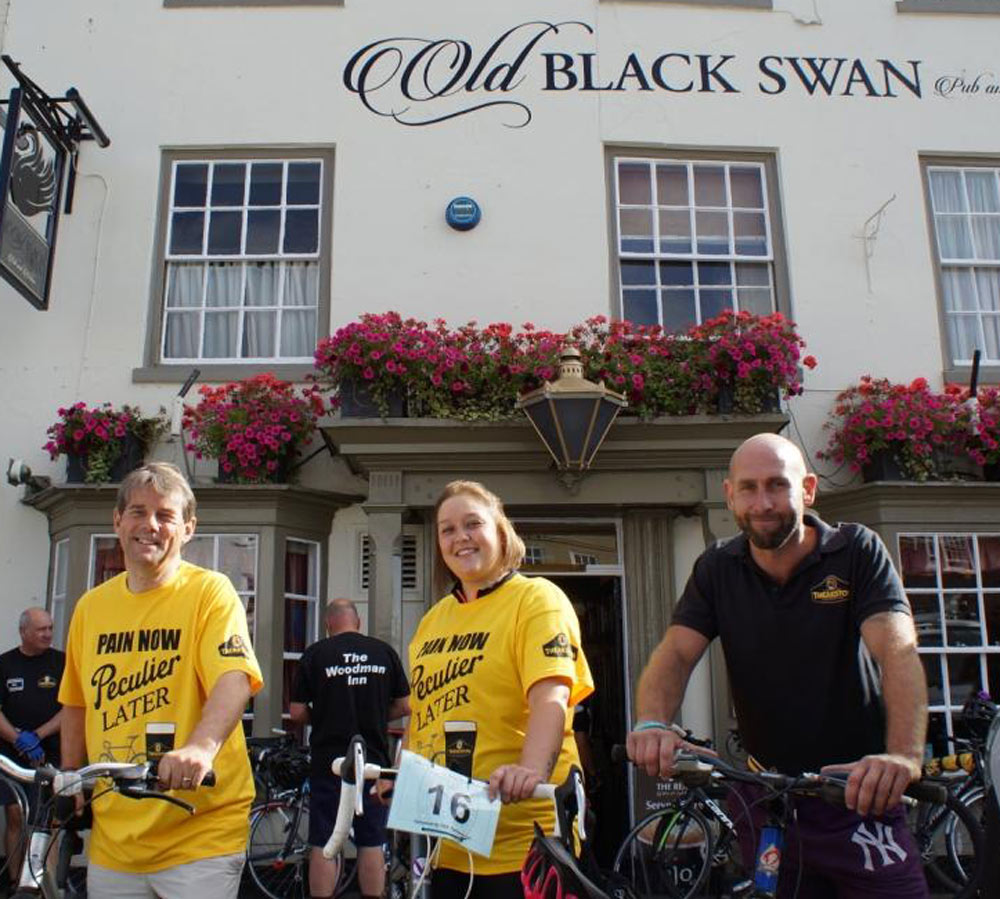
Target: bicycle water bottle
<point>765,877</point>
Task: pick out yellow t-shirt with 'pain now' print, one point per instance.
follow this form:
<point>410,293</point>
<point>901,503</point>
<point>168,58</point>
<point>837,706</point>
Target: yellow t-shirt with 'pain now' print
<point>141,665</point>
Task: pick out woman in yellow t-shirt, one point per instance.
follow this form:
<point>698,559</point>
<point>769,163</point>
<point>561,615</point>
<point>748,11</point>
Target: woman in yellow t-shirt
<point>496,668</point>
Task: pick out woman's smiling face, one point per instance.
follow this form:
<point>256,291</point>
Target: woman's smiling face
<point>469,540</point>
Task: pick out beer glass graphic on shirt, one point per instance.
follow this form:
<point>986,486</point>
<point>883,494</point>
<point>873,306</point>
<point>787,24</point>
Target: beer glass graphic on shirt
<point>459,746</point>
<point>159,740</point>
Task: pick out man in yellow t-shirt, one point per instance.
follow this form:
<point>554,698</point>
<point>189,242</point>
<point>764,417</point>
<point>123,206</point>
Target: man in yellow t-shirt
<point>159,664</point>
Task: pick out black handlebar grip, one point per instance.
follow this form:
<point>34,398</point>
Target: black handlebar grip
<point>619,753</point>
<point>927,791</point>
<point>208,780</point>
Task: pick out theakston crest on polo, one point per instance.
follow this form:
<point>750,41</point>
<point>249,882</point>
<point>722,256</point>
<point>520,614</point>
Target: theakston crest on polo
<point>233,647</point>
<point>831,589</point>
<point>559,647</point>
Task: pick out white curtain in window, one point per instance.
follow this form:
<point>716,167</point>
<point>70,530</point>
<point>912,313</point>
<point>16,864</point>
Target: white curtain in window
<point>988,284</point>
<point>182,328</point>
<point>224,289</point>
<point>947,192</point>
<point>298,327</point>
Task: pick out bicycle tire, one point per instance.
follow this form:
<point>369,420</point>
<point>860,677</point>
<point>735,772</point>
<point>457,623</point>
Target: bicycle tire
<point>668,854</point>
<point>958,870</point>
<point>278,849</point>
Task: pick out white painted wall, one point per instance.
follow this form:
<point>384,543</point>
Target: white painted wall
<point>160,78</point>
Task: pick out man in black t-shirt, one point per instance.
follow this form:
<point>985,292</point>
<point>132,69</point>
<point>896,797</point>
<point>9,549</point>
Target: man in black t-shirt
<point>822,657</point>
<point>29,714</point>
<point>347,684</point>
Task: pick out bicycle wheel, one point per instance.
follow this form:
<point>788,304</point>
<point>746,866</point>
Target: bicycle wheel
<point>952,845</point>
<point>667,854</point>
<point>278,849</point>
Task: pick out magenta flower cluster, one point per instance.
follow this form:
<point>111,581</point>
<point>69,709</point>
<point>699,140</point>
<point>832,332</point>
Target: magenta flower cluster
<point>477,373</point>
<point>81,429</point>
<point>918,426</point>
<point>253,427</point>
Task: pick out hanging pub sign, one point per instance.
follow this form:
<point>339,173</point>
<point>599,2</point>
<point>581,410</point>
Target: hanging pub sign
<point>31,178</point>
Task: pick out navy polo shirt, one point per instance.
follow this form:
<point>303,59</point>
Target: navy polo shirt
<point>805,689</point>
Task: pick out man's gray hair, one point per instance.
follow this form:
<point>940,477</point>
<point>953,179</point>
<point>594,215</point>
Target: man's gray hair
<point>164,478</point>
<point>25,618</point>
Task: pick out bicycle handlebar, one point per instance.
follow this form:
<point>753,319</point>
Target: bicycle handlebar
<point>351,801</point>
<point>695,768</point>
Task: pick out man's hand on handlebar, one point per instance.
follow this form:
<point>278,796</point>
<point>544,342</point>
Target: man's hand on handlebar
<point>184,768</point>
<point>876,783</point>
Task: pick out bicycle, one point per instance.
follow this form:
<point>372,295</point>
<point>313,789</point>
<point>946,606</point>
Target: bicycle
<point>684,837</point>
<point>552,867</point>
<point>131,779</point>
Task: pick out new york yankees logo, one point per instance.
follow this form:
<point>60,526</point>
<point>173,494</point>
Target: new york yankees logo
<point>883,840</point>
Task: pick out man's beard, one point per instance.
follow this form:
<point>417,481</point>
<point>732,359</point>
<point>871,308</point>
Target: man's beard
<point>772,539</point>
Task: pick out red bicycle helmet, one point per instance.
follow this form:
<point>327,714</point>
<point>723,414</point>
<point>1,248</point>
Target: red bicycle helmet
<point>551,872</point>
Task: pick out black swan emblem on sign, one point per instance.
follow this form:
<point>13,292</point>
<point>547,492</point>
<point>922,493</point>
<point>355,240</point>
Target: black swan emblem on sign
<point>32,176</point>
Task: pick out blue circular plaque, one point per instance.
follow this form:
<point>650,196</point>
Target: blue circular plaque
<point>463,213</point>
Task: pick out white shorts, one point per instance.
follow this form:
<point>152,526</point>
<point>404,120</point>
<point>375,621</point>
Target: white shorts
<point>207,878</point>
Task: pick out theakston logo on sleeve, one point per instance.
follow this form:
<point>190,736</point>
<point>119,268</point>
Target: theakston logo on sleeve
<point>559,647</point>
<point>234,647</point>
<point>831,590</point>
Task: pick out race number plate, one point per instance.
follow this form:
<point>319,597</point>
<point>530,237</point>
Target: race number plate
<point>431,800</point>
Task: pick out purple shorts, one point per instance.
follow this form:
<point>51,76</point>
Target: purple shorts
<point>831,852</point>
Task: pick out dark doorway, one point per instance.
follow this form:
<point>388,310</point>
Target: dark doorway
<point>598,603</point>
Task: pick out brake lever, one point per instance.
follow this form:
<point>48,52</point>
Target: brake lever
<point>143,793</point>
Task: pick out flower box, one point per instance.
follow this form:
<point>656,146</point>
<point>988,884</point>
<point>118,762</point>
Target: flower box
<point>130,458</point>
<point>356,401</point>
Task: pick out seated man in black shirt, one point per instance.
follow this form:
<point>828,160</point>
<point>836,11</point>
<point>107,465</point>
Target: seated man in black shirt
<point>29,714</point>
<point>347,684</point>
<point>822,657</point>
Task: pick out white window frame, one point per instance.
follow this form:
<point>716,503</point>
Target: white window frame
<point>312,598</point>
<point>657,255</point>
<point>984,650</point>
<point>243,258</point>
<point>59,594</point>
<point>969,264</point>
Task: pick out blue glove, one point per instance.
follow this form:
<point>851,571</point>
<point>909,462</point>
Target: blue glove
<point>28,744</point>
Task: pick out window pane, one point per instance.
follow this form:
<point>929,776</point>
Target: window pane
<point>752,274</point>
<point>200,551</point>
<point>709,185</point>
<point>959,289</point>
<point>957,568</point>
<point>713,233</point>
<point>962,619</point>
<point>301,231</point>
<point>303,183</point>
<point>954,241</point>
<point>715,273</point>
<point>301,284</point>
<point>672,185</point>
<point>751,233</point>
<point>182,334</point>
<point>298,333</point>
<point>988,288</point>
<point>636,230</point>
<point>963,673</point>
<point>714,302</point>
<point>263,284</point>
<point>986,234</point>
<point>638,271</point>
<point>640,306</point>
<point>680,273</point>
<point>947,194</point>
<point>225,282</point>
<point>746,186</point>
<point>963,334</point>
<point>265,184</point>
<point>756,300</point>
<point>220,335</point>
<point>982,189</point>
<point>989,560</point>
<point>991,335</point>
<point>633,184</point>
<point>259,334</point>
<point>675,231</point>
<point>263,227</point>
<point>184,284</point>
<point>227,184</point>
<point>678,310</point>
<point>190,184</point>
<point>299,570</point>
<point>238,560</point>
<point>991,605</point>
<point>297,624</point>
<point>224,233</point>
<point>186,229</point>
<point>918,556</point>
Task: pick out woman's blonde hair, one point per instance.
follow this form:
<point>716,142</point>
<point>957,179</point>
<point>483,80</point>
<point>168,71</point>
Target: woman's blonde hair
<point>511,546</point>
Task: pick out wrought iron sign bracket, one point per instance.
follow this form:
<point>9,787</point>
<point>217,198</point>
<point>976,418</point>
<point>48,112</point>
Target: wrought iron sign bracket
<point>66,121</point>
